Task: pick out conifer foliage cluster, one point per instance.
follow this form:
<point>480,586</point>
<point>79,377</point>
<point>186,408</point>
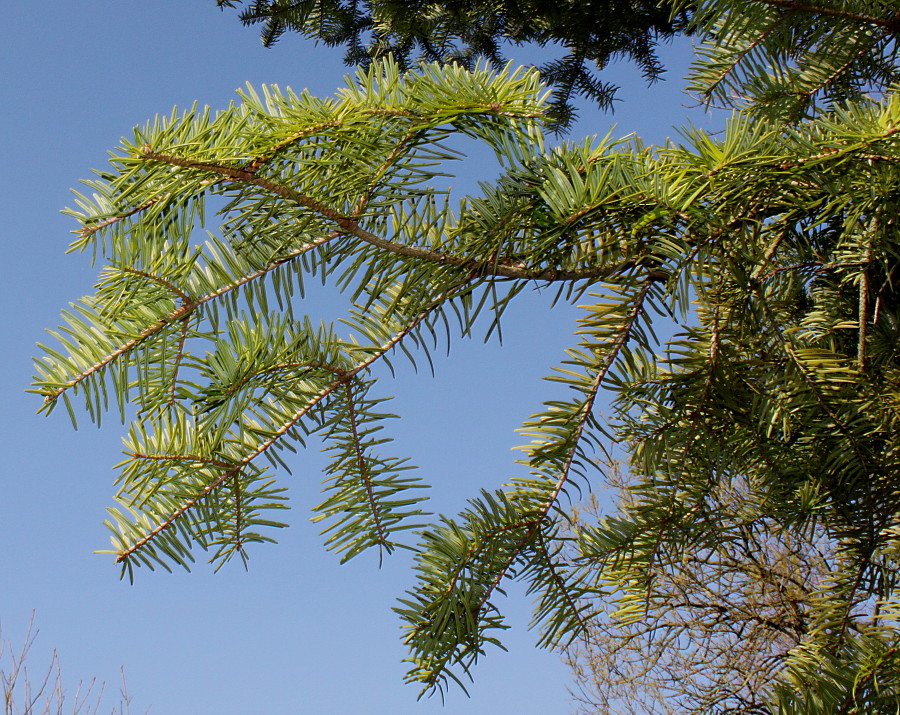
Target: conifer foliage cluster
<point>584,36</point>
<point>763,432</point>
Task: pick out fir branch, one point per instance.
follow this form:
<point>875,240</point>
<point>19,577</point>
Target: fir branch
<point>342,379</point>
<point>233,388</point>
<point>183,312</point>
<point>159,280</point>
<point>349,225</point>
<point>838,152</point>
<point>562,586</point>
<point>87,231</point>
<point>183,458</point>
<point>179,355</point>
<point>533,523</point>
<point>405,142</point>
<point>787,344</point>
<point>466,561</point>
<point>863,313</point>
<point>363,467</point>
<point>238,524</point>
<point>739,57</point>
<point>186,506</point>
<point>311,403</point>
<point>255,165</point>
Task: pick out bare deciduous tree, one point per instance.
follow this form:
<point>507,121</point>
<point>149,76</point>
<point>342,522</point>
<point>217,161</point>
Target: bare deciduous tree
<point>46,695</point>
<point>715,623</point>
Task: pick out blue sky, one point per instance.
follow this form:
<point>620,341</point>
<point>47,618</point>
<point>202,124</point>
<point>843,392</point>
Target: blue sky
<point>297,633</point>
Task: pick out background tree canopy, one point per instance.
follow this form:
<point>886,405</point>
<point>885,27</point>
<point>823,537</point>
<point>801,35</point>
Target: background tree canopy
<point>590,35</point>
<point>761,432</point>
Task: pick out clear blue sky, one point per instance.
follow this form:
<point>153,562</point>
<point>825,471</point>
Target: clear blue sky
<point>297,633</point>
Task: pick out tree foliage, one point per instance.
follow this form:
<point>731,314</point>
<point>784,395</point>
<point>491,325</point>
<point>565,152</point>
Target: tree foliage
<point>767,420</point>
<point>589,35</point>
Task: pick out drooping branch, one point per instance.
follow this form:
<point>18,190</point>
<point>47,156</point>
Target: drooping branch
<point>535,519</point>
<point>263,447</point>
<point>622,338</point>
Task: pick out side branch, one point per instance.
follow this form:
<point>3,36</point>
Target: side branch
<point>744,53</point>
<point>175,515</point>
<point>363,467</point>
<point>183,312</point>
<point>88,231</point>
<point>342,378</point>
<point>125,347</point>
<point>535,519</point>
<point>182,458</point>
<point>619,343</point>
<point>168,285</point>
<point>278,368</point>
<point>621,340</point>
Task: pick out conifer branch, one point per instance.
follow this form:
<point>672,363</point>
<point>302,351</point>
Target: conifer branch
<point>473,550</point>
<point>157,279</point>
<point>183,458</point>
<point>788,346</point>
<point>863,310</point>
<point>87,231</point>
<point>182,313</point>
<point>363,467</point>
<point>349,225</point>
<point>179,355</point>
<point>863,313</point>
<point>268,155</point>
<point>332,386</point>
<point>742,55</point>
<point>743,437</point>
<point>231,389</point>
<point>124,348</point>
<point>186,506</point>
<point>311,403</point>
<point>612,354</point>
<point>561,584</point>
<point>533,523</point>
<point>238,524</point>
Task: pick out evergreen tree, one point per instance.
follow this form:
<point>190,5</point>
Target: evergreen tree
<point>772,412</point>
